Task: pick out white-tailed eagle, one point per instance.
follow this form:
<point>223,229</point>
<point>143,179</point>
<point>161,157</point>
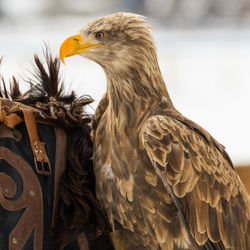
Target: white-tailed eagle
<point>163,180</point>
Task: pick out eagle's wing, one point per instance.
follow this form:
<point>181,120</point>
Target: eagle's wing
<point>213,202</point>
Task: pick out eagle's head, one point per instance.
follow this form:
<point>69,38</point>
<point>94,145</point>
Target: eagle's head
<point>114,41</point>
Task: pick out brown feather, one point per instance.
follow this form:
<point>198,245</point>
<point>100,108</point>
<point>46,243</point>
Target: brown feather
<point>212,224</point>
<point>223,235</point>
<point>201,212</point>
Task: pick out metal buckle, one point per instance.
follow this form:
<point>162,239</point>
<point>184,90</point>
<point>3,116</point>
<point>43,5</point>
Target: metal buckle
<point>43,170</point>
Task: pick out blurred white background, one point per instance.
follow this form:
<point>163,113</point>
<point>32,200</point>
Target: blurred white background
<point>203,48</point>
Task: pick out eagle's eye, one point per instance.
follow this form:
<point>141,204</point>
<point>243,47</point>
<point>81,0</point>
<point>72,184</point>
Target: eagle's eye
<point>99,35</point>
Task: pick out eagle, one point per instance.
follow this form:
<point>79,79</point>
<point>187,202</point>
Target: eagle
<point>163,180</point>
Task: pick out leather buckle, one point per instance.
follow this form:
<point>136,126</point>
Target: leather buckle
<point>41,160</point>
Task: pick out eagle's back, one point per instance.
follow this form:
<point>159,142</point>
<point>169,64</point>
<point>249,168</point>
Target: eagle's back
<point>133,194</point>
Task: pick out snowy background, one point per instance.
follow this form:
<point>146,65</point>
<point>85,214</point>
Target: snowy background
<point>203,48</point>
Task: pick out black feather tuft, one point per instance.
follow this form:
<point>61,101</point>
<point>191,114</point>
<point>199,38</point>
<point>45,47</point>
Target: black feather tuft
<point>46,82</point>
<point>15,92</point>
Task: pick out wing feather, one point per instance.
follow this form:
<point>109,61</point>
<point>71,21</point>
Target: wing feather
<point>213,199</point>
<point>201,210</point>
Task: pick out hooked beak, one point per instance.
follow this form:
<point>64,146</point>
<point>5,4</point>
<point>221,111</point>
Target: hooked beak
<point>75,45</point>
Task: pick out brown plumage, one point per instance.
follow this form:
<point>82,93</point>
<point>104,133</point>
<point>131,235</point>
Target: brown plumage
<point>163,180</point>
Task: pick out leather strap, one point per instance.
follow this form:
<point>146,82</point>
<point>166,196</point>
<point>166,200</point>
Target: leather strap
<point>41,159</point>
<point>12,119</point>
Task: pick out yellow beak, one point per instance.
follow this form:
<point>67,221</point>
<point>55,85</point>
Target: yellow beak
<point>74,45</point>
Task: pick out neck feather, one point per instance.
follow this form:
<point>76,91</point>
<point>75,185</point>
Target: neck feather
<point>140,83</point>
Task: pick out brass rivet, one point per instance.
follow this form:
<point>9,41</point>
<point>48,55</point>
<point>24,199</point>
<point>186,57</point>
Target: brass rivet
<point>32,192</point>
<point>14,240</point>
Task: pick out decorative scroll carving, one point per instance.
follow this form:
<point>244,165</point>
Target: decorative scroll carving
<point>31,199</point>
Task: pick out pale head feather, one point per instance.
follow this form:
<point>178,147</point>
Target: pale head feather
<point>128,40</point>
<point>128,56</point>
